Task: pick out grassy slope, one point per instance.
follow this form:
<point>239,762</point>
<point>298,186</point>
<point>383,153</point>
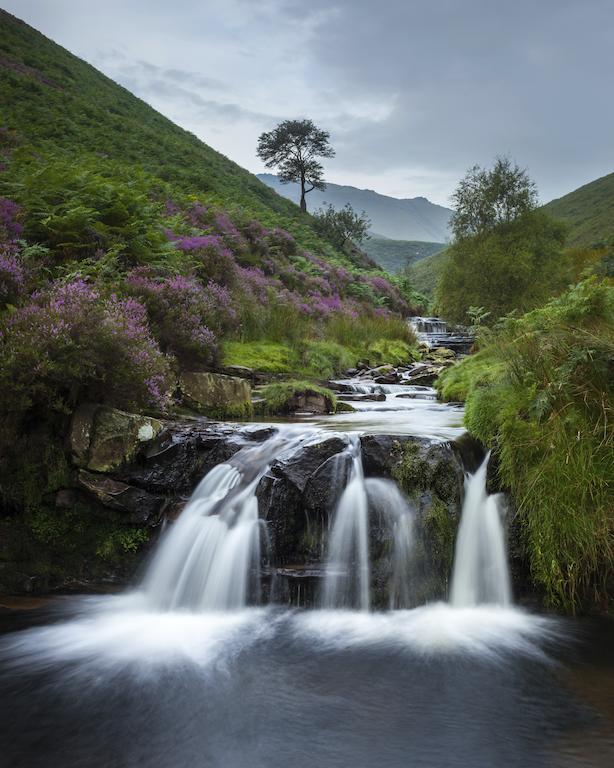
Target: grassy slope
<point>425,273</point>
<point>54,101</point>
<point>589,212</point>
<point>539,394</point>
<point>395,255</point>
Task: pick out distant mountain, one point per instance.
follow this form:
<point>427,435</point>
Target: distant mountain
<point>410,219</point>
<point>395,255</point>
<point>589,212</point>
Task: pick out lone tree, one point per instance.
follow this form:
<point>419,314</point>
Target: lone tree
<point>293,147</point>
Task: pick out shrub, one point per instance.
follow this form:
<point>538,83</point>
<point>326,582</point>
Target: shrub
<point>70,343</point>
<point>184,314</point>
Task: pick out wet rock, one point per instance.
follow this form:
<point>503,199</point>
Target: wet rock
<point>309,401</point>
<point>390,378</point>
<point>380,453</point>
<point>216,395</point>
<point>358,397</point>
<point>185,451</point>
<point>424,375</point>
<point>298,465</point>
<point>139,506</point>
<point>240,371</point>
<point>342,407</point>
<point>280,499</point>
<point>325,486</point>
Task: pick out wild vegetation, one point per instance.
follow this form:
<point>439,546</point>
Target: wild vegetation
<point>130,251</point>
<point>539,393</point>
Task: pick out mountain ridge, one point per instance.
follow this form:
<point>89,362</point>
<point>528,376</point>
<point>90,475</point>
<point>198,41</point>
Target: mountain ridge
<point>415,219</point>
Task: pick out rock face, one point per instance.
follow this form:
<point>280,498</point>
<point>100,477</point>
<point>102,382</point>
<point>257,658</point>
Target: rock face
<point>103,439</point>
<point>216,395</point>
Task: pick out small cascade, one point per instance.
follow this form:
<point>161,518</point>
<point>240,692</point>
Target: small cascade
<point>433,331</point>
<point>347,581</point>
<point>398,517</point>
<point>481,573</point>
<point>427,324</point>
<point>210,559</point>
<point>348,570</point>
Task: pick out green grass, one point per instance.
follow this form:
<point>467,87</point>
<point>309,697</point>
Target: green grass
<point>277,397</point>
<point>588,212</point>
<point>539,394</point>
<point>424,274</point>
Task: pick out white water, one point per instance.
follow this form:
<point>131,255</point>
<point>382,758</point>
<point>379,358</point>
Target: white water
<point>347,582</point>
<point>480,572</point>
<point>210,559</point>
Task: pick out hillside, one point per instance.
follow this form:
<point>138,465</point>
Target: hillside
<point>52,101</point>
<point>123,235</point>
<point>396,255</point>
<point>424,274</point>
<point>410,219</point>
<point>588,211</point>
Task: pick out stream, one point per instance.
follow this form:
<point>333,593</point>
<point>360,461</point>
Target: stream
<point>198,665</point>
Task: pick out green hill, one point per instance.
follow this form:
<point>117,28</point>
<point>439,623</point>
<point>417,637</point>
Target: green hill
<point>395,255</point>
<point>588,211</point>
<point>53,101</point>
<point>424,274</point>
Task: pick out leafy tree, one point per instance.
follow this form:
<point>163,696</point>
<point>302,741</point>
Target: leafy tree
<point>294,146</point>
<point>506,254</point>
<point>340,226</point>
<point>485,199</point>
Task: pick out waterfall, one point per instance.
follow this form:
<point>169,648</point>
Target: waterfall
<point>348,570</point>
<point>210,558</point>
<point>480,572</point>
<point>347,578</point>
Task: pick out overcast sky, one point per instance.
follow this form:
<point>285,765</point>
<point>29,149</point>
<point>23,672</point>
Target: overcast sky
<point>413,92</point>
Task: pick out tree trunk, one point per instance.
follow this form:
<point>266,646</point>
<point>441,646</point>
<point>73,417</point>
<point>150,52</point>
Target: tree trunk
<point>303,200</point>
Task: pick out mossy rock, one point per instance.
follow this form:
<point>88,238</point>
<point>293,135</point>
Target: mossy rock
<point>216,395</point>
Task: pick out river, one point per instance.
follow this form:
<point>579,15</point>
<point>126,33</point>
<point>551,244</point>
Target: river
<point>192,667</point>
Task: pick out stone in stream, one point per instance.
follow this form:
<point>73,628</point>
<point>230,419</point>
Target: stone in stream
<point>136,505</point>
<point>216,395</point>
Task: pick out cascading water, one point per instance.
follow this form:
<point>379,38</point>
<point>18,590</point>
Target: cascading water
<point>210,559</point>
<point>347,570</point>
<point>481,573</point>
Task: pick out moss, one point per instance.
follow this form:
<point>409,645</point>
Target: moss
<point>411,472</point>
<point>278,397</point>
<point>440,535</point>
<point>391,351</point>
<point>455,383</point>
<point>260,356</point>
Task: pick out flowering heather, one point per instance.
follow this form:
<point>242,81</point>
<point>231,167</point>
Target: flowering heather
<point>69,343</point>
<point>12,275</point>
<point>185,314</point>
<point>10,228</point>
<point>283,240</point>
<point>225,227</point>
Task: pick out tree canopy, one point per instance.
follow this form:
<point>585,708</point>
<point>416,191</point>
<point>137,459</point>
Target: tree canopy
<point>506,255</point>
<point>293,148</point>
<point>487,198</point>
<point>339,226</point>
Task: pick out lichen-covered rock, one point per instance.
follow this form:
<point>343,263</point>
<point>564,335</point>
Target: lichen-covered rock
<point>103,439</point>
<point>216,395</point>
